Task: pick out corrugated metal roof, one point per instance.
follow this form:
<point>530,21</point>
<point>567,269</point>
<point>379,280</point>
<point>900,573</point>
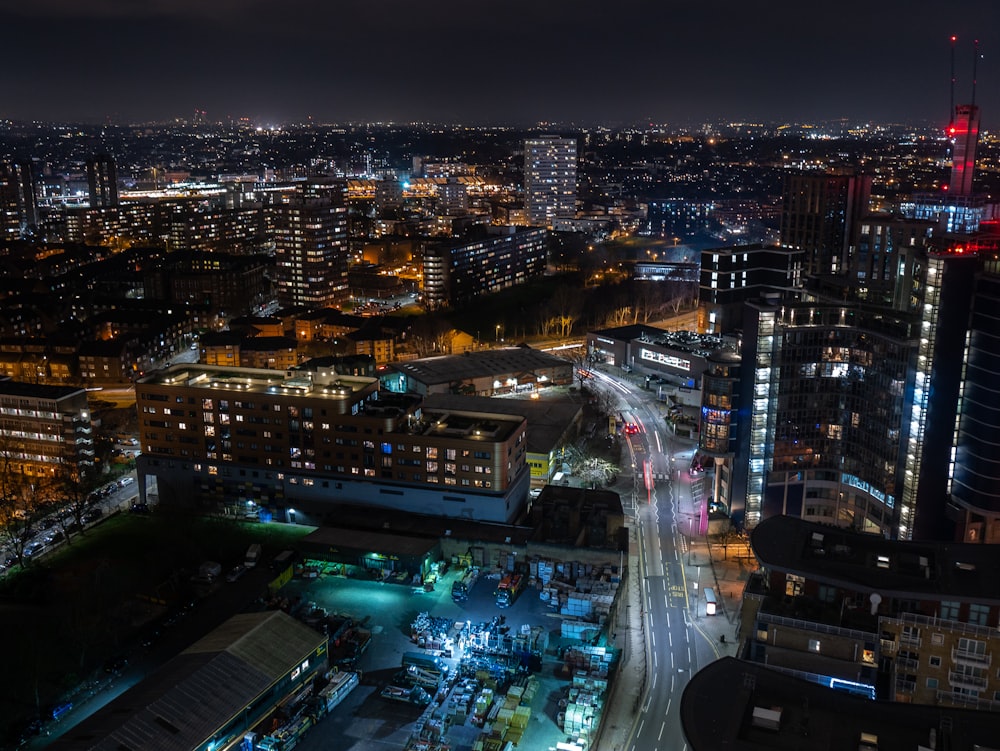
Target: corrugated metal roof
<point>184,703</point>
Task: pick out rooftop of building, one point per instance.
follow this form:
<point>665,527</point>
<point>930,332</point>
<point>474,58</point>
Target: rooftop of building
<point>332,362</point>
<point>183,703</point>
<point>320,384</point>
<point>547,418</point>
<point>689,342</point>
<point>483,364</point>
<point>447,423</point>
<point>744,706</point>
<point>268,343</point>
<point>37,390</point>
<point>401,525</point>
<point>256,321</point>
<point>340,538</point>
<point>871,563</point>
<point>221,339</point>
<point>630,332</point>
<point>331,316</point>
<point>103,348</point>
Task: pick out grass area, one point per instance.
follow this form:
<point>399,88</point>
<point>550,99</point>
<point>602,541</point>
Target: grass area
<point>62,617</point>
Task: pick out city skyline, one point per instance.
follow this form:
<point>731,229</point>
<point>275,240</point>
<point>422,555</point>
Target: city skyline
<point>121,62</point>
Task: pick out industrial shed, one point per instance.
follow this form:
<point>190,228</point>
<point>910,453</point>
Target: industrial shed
<point>211,692</point>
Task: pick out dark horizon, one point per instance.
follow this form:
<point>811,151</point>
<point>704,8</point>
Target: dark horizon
<point>352,62</point>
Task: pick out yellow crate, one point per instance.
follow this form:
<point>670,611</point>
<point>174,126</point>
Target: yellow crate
<point>521,717</point>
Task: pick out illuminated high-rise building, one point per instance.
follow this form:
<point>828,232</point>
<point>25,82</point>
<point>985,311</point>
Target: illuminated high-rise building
<point>964,132</point>
<point>102,180</point>
<point>550,179</point>
<point>974,487</point>
<point>311,250</point>
<point>854,404</point>
<point>818,217</point>
<point>18,200</point>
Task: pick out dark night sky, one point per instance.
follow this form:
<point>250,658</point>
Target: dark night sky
<point>518,61</point>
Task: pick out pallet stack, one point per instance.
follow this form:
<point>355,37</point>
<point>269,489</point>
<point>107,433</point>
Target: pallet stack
<point>591,662</point>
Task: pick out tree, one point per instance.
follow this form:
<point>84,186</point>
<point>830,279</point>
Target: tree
<point>580,365</point>
<point>430,335</point>
<point>565,309</point>
<point>648,298</point>
<point>21,499</point>
<point>591,469</point>
<point>75,490</point>
<point>727,536</point>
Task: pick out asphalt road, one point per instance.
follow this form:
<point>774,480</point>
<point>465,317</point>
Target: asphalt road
<point>661,502</point>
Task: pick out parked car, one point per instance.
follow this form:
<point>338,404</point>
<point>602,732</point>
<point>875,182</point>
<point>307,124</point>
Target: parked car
<point>60,709</point>
<point>93,515</point>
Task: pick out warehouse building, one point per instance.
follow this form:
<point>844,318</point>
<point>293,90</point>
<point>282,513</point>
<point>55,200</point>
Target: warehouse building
<point>211,693</point>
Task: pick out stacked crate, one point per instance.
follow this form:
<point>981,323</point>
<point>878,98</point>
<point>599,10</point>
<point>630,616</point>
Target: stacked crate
<point>590,661</point>
<point>481,706</point>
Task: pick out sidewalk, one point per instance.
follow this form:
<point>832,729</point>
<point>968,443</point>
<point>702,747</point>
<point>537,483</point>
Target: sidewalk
<point>628,691</point>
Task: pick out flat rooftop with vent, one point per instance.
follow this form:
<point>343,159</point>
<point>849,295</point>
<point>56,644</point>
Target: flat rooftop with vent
<point>873,563</point>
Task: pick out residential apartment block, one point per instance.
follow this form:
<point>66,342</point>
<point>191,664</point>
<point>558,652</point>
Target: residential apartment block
<point>457,273</point>
<point>903,621</point>
<point>311,251</point>
<point>550,179</point>
<point>45,429</point>
<point>300,442</point>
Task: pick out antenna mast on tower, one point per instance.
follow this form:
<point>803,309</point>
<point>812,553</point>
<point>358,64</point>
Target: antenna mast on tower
<point>951,104</point>
<point>975,63</point>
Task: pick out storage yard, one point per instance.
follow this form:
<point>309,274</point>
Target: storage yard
<point>465,660</point>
